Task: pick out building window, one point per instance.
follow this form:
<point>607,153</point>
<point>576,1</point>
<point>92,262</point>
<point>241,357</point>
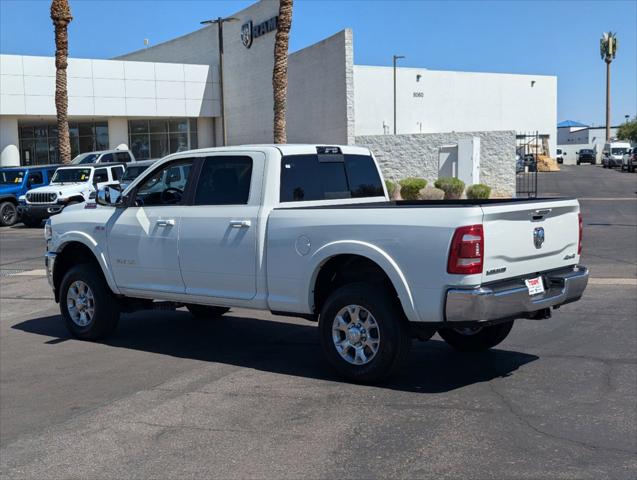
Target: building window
<point>158,138</point>
<point>39,143</point>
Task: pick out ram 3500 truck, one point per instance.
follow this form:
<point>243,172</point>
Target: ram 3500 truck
<point>309,231</point>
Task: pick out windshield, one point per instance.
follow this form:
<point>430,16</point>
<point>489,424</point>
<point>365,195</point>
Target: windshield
<point>11,177</point>
<point>618,151</point>
<point>85,158</point>
<point>585,151</point>
<point>132,173</point>
<point>71,175</point>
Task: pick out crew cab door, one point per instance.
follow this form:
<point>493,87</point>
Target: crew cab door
<point>142,238</point>
<point>219,232</point>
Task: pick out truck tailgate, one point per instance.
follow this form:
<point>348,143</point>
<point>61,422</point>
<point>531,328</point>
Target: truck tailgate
<point>529,237</point>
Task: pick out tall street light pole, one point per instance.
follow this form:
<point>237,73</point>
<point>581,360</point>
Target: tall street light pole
<point>395,57</point>
<point>220,21</point>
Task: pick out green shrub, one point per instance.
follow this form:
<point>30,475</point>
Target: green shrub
<point>431,193</point>
<point>453,187</point>
<point>391,188</point>
<point>409,187</point>
<point>478,191</point>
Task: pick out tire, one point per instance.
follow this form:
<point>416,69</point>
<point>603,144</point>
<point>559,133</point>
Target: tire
<point>476,340</point>
<point>374,314</point>
<point>578,162</point>
<point>204,311</point>
<point>105,308</point>
<point>31,222</point>
<point>8,214</point>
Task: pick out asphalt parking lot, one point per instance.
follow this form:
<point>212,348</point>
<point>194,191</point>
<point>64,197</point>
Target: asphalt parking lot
<point>249,395</point>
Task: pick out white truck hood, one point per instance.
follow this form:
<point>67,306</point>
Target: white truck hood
<point>63,190</point>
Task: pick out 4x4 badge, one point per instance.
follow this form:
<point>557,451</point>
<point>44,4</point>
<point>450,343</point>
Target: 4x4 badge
<point>538,237</point>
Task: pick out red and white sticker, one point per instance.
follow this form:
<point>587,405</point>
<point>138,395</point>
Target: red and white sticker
<point>535,285</point>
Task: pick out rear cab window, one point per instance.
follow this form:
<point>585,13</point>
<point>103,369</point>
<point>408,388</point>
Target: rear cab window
<point>310,177</point>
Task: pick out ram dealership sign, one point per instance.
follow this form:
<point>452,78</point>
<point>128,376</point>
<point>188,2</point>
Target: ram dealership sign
<point>249,31</point>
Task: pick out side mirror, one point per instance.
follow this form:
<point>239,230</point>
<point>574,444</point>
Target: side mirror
<point>109,196</point>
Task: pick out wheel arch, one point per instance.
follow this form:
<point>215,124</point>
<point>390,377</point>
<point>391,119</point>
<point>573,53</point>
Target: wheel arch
<point>77,251</point>
<point>9,198</point>
<point>372,262</point>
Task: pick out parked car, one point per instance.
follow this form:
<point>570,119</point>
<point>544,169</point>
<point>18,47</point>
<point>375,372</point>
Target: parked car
<point>133,170</point>
<point>613,154</point>
<point>309,231</point>
<point>14,183</point>
<point>69,185</point>
<point>586,155</point>
<point>629,160</point>
<point>560,155</point>
<point>104,156</point>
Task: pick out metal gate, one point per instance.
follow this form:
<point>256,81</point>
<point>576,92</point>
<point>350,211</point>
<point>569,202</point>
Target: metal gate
<point>528,147</point>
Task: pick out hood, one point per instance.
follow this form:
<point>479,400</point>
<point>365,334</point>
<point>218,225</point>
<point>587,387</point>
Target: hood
<point>10,188</point>
<point>61,190</point>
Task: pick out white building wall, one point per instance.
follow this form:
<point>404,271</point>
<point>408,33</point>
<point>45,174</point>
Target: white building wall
<point>117,132</point>
<point>431,101</point>
<point>417,155</point>
<point>321,92</point>
<point>107,88</point>
<point>9,153</point>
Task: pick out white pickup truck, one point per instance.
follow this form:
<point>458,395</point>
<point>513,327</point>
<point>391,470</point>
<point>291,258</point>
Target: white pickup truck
<point>309,231</point>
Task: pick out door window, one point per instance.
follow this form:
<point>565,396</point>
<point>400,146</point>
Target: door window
<point>165,186</point>
<point>106,158</point>
<point>100,176</point>
<point>122,157</point>
<point>117,172</point>
<point>224,180</point>
<point>35,178</point>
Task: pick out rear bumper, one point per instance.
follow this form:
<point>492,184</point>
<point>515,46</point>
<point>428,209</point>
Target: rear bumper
<point>511,299</point>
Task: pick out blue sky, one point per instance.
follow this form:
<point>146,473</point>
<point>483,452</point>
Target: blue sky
<point>542,37</point>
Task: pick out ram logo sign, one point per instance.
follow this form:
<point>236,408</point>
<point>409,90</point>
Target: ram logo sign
<point>249,31</point>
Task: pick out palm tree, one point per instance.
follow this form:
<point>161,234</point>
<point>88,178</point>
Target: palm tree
<point>280,71</point>
<point>61,16</point>
<point>608,50</point>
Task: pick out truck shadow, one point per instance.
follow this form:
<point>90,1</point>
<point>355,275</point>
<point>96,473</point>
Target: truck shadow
<point>284,348</point>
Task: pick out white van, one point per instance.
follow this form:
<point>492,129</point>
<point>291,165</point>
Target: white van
<point>613,154</point>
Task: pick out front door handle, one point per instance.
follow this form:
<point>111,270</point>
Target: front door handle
<point>240,223</point>
<point>165,223</point>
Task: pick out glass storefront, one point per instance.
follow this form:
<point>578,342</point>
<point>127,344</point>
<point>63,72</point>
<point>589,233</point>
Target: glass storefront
<point>39,142</point>
<point>158,138</point>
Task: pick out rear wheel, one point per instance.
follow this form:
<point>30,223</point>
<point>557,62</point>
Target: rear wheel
<point>8,214</point>
<point>204,311</point>
<point>89,308</point>
<point>476,339</point>
<point>364,333</point>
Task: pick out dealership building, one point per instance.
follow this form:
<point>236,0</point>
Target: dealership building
<point>166,98</point>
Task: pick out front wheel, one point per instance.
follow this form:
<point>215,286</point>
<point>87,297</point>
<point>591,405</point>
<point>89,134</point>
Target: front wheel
<point>88,307</point>
<point>476,339</point>
<point>8,214</point>
<point>364,333</point>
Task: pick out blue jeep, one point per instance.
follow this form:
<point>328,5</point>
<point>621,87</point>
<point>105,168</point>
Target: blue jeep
<point>14,182</point>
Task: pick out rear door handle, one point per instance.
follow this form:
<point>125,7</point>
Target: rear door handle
<point>240,223</point>
<point>165,223</point>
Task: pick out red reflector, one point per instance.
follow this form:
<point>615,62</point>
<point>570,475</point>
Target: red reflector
<point>466,254</point>
<point>581,234</point>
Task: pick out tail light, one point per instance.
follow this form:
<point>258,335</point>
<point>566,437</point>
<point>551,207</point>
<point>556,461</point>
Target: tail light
<point>467,250</point>
<point>581,233</point>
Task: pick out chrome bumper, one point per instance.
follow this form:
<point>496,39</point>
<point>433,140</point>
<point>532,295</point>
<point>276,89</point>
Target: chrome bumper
<point>49,260</point>
<point>511,299</point>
